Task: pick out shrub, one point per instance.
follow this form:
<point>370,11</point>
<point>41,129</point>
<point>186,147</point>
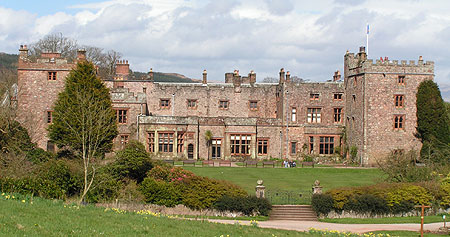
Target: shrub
<point>56,180</point>
<point>322,203</point>
<point>133,161</point>
<point>368,203</point>
<point>408,193</point>
<point>169,174</point>
<point>39,155</point>
<point>105,187</point>
<point>248,205</point>
<point>159,192</point>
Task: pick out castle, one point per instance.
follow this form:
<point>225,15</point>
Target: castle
<point>373,109</point>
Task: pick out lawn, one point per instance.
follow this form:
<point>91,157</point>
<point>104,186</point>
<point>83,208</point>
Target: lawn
<point>39,217</point>
<point>296,180</point>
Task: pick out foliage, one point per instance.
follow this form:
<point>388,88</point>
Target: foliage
<point>169,174</point>
<point>322,203</point>
<point>353,153</point>
<point>14,138</point>
<point>367,203</point>
<point>208,140</point>
<point>445,200</point>
<point>133,161</point>
<point>248,205</point>
<point>160,192</point>
<point>432,122</point>
<point>83,118</point>
<point>401,167</point>
<point>106,187</point>
<point>39,155</point>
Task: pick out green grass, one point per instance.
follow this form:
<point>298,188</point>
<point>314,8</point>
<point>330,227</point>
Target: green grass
<point>385,220</point>
<point>54,218</point>
<point>297,180</point>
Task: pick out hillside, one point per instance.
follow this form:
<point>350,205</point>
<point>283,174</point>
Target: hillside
<point>9,62</point>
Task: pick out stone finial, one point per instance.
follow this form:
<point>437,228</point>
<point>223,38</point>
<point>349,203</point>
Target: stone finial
<point>317,189</point>
<point>205,74</point>
<point>260,189</point>
<point>260,182</point>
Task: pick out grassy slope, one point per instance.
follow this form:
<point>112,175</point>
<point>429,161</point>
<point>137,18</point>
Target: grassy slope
<point>52,218</point>
<point>291,179</point>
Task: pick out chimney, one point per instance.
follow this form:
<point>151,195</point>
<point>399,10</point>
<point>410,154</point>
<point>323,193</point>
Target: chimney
<point>81,54</point>
<point>205,80</point>
<point>420,60</point>
<point>229,77</point>
<point>252,77</point>
<point>150,75</point>
<point>337,76</point>
<point>288,76</point>
<point>23,51</point>
<point>281,75</point>
<point>50,55</point>
<point>362,53</point>
<point>122,68</point>
<point>236,78</point>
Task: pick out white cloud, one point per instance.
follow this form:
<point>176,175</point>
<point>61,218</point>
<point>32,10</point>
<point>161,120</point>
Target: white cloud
<point>307,38</point>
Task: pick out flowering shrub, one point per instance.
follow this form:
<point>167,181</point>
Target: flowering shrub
<point>169,174</point>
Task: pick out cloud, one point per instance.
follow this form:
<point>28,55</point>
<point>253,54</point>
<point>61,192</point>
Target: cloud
<point>305,37</point>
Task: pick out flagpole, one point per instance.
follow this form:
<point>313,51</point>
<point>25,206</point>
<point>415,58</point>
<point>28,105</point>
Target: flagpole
<point>367,40</point>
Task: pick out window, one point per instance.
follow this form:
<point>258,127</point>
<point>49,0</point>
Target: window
<point>293,148</point>
<point>263,146</point>
<point>224,104</point>
<point>51,76</point>
<point>294,114</point>
<point>121,115</point>
<point>337,96</point>
<point>180,142</point>
<point>164,103</point>
<point>398,152</point>
<point>398,101</point>
<point>337,115</point>
<point>314,115</point>
<point>314,96</point>
<point>49,117</point>
<point>399,121</point>
<point>401,80</point>
<point>165,141</point>
<point>240,144</point>
<point>144,89</point>
<point>151,142</point>
<point>326,145</point>
<point>216,145</point>
<point>311,145</point>
<point>192,104</point>
<point>253,105</point>
<point>354,97</point>
<point>123,140</point>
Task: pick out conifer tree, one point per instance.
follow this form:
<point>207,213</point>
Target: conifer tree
<point>432,122</point>
<point>83,119</point>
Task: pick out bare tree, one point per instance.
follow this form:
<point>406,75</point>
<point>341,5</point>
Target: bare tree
<point>55,43</point>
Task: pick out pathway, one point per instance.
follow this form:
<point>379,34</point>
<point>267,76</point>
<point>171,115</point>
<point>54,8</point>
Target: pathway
<point>355,228</point>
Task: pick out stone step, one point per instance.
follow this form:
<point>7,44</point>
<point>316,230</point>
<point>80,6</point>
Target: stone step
<point>293,212</point>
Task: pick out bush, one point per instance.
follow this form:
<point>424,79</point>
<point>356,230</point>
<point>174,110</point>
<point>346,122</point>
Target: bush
<point>169,174</point>
<point>39,155</point>
<point>322,203</point>
<point>368,203</point>
<point>56,180</point>
<point>248,205</point>
<point>160,192</point>
<point>105,187</point>
<point>133,161</point>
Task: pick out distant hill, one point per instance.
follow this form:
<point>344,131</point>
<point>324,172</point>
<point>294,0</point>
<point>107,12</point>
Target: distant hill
<point>164,77</point>
<point>9,62</point>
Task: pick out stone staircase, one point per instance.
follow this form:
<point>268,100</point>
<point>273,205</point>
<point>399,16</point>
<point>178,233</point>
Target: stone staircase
<point>293,213</point>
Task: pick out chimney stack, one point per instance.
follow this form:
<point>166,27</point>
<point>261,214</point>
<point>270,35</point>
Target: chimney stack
<point>337,76</point>
<point>252,77</point>
<point>23,51</point>
<point>150,75</point>
<point>205,80</point>
<point>236,78</point>
<point>122,68</point>
<point>362,53</point>
<point>81,54</point>
<point>281,75</point>
<point>288,76</point>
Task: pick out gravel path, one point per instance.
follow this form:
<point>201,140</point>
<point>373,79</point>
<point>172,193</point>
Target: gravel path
<point>355,228</point>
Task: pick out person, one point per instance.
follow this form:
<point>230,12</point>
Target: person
<point>285,163</point>
<point>294,164</point>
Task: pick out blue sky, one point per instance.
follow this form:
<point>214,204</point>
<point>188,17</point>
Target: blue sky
<point>308,38</point>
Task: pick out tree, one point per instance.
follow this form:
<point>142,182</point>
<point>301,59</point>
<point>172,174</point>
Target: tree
<point>133,162</point>
<point>208,139</point>
<point>432,122</point>
<point>83,119</point>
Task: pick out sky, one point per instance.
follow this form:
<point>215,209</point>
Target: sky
<point>307,38</point>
